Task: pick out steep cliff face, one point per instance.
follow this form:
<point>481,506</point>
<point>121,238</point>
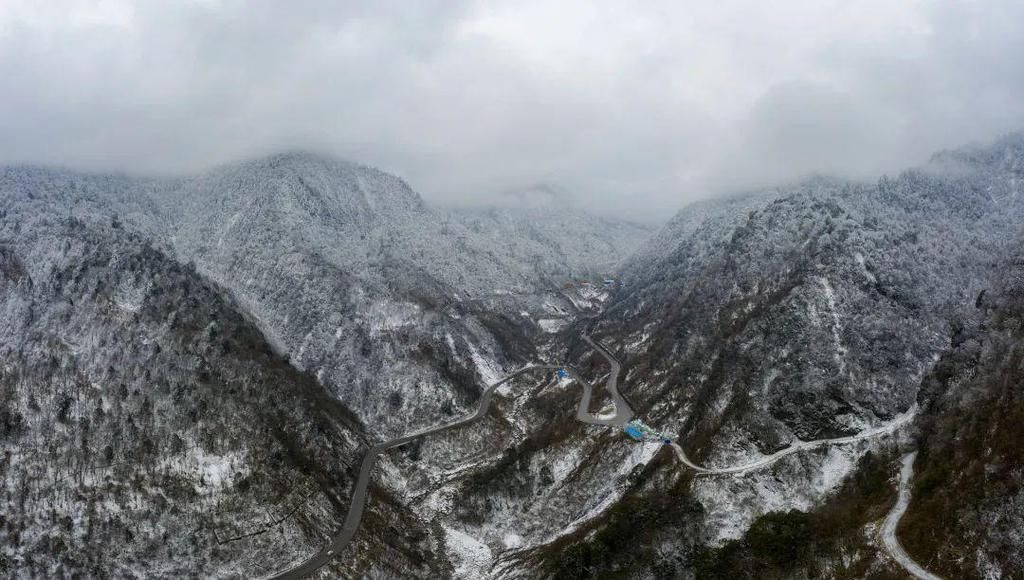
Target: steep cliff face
<point>967,512</point>
<point>147,428</point>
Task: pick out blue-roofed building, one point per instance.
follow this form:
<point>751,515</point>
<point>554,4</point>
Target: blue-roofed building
<point>634,432</point>
<point>642,432</point>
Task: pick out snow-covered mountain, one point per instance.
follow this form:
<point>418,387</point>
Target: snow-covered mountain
<point>147,428</point>
<point>582,244</point>
<point>355,278</point>
<point>402,312</point>
<point>210,355</point>
<point>746,325</point>
<point>802,313</point>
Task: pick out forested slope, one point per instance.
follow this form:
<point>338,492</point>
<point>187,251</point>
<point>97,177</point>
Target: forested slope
<point>146,426</point>
<point>966,519</point>
<point>753,323</point>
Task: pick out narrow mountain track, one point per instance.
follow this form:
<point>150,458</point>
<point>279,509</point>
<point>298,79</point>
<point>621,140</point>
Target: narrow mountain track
<point>889,540</point>
<point>881,430</point>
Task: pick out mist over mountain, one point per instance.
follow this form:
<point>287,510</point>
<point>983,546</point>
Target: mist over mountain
<point>637,108</point>
<point>478,290</point>
<point>196,369</point>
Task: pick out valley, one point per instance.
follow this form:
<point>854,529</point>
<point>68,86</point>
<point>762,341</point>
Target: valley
<point>484,290</point>
<point>398,365</point>
<point>621,416</point>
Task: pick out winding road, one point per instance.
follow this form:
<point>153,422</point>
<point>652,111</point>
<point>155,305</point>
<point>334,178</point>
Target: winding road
<point>889,539</point>
<point>623,413</point>
<point>767,460</point>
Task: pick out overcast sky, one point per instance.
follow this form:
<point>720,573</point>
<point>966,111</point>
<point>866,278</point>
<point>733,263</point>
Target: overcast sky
<point>637,107</point>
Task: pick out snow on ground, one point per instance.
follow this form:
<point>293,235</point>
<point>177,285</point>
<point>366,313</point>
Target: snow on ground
<point>834,467</point>
<point>384,316</point>
<point>552,324</point>
<point>607,412</point>
<point>440,501</point>
<point>217,470</point>
<point>390,476</point>
<point>640,454</point>
<point>733,446</point>
<point>578,302</point>
<point>471,557</point>
<point>633,345</point>
<point>592,513</point>
<point>592,293</point>
<point>836,324</point>
<point>565,463</point>
<point>733,502</point>
<point>129,297</point>
<point>809,471</point>
<point>489,371</point>
<point>730,506</point>
<point>553,308</point>
<point>214,471</point>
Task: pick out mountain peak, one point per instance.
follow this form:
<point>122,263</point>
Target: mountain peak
<point>314,179</point>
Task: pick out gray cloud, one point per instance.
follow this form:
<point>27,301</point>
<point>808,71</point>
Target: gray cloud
<point>636,110</point>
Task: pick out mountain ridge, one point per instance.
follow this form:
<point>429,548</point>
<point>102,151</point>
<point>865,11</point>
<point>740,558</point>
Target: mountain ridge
<point>744,326</point>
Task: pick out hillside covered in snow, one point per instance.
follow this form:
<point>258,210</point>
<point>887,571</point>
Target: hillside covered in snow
<point>195,367</point>
<point>147,427</point>
<point>753,323</point>
<point>195,344</point>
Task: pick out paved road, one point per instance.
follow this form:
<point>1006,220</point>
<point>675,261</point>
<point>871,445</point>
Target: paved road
<point>885,429</point>
<point>623,413</point>
<point>889,539</point>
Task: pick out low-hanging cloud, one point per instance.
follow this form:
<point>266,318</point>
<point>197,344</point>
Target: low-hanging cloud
<point>635,108</point>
